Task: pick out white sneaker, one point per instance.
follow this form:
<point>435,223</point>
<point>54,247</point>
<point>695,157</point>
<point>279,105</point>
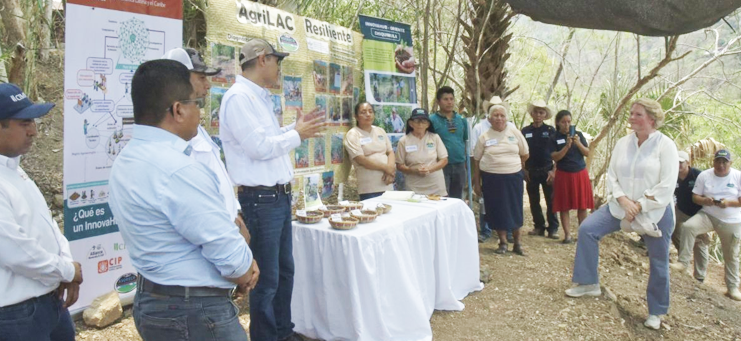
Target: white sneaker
<point>653,322</point>
<point>734,294</point>
<point>586,289</point>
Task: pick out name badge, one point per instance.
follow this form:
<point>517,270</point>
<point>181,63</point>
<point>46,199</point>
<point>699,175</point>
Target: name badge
<point>411,149</point>
<point>492,142</point>
<point>528,135</point>
<point>560,141</point>
<point>365,141</point>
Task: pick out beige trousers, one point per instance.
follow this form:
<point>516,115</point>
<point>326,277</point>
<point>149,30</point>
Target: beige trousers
<point>700,250</point>
<point>730,240</point>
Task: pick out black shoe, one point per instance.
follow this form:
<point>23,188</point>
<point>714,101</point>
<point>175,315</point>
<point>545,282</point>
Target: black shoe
<point>502,249</point>
<point>567,240</point>
<point>537,232</point>
<point>293,337</point>
<point>517,249</point>
<point>483,238</point>
<point>553,235</point>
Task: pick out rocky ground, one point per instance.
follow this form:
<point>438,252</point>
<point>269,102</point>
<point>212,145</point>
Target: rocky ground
<point>523,298</point>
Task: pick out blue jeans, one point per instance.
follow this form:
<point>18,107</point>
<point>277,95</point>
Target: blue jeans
<point>601,223</point>
<point>174,318</point>
<point>41,318</point>
<point>455,179</point>
<point>268,218</point>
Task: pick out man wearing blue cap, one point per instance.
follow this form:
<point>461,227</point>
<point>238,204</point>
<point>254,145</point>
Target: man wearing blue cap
<point>36,266</point>
<point>718,191</point>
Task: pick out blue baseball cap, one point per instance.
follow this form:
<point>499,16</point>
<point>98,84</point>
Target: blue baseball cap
<point>16,105</point>
<point>723,154</point>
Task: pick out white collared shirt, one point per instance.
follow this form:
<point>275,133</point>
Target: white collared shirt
<point>207,152</point>
<point>34,255</point>
<point>256,147</point>
<point>640,171</point>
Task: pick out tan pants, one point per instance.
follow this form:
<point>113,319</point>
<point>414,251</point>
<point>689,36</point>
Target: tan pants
<point>700,250</point>
<point>730,240</point>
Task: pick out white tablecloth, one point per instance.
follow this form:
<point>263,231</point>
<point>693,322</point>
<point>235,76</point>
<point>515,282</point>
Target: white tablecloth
<point>383,280</point>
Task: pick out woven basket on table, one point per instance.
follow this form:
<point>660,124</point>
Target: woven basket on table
<point>353,205</point>
<point>347,223</point>
<point>312,217</point>
<point>366,216</point>
<point>383,208</point>
<point>333,209</point>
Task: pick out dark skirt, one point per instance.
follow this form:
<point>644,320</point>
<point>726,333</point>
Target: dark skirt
<point>503,200</point>
<point>572,191</point>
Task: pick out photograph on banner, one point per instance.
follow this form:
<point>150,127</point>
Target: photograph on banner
<point>335,78</point>
<point>292,92</point>
<point>277,108</point>
<point>320,148</point>
<point>337,148</point>
<point>387,45</point>
<point>355,96</point>
<point>347,81</point>
<point>399,179</point>
<point>216,95</point>
<point>392,118</point>
<point>347,110</point>
<point>312,198</point>
<point>295,185</point>
<point>320,76</point>
<point>301,155</point>
<point>224,57</point>
<point>320,102</point>
<point>334,114</point>
<point>392,88</point>
<point>327,184</point>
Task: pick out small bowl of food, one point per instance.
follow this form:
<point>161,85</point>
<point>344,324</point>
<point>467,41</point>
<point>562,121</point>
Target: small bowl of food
<point>365,216</point>
<point>434,197</point>
<point>311,217</point>
<point>329,210</point>
<point>347,223</point>
<point>385,208</point>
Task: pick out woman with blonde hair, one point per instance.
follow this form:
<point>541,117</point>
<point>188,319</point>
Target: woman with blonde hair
<point>641,178</point>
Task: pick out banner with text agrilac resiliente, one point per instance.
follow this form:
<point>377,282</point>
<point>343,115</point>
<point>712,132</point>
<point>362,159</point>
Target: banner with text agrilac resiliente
<point>323,70</point>
<point>105,41</point>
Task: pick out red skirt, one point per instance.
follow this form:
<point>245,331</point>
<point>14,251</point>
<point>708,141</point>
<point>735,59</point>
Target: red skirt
<point>572,191</point>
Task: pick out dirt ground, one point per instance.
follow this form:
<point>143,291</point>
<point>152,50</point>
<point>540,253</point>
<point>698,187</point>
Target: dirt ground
<point>524,297</point>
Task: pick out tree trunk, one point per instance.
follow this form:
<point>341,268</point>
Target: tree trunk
<point>13,22</point>
<point>425,55</point>
<point>45,31</point>
<point>564,52</point>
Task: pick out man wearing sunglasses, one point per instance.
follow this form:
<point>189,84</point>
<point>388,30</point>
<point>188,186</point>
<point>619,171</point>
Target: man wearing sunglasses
<point>179,234</point>
<point>205,150</point>
<point>257,155</point>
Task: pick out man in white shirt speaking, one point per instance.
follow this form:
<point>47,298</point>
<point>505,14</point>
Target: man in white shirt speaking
<point>257,157</point>
<point>36,266</point>
<point>718,191</point>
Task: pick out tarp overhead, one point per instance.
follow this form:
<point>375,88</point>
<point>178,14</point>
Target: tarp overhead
<point>645,17</point>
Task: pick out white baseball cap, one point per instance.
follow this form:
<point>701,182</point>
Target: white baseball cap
<point>683,156</point>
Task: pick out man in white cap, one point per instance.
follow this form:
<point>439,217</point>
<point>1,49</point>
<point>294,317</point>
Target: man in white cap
<point>205,150</point>
<point>257,155</point>
<point>685,209</point>
<point>36,266</point>
<point>539,169</point>
<point>718,191</point>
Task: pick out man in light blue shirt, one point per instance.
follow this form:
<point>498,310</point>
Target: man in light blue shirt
<point>187,250</point>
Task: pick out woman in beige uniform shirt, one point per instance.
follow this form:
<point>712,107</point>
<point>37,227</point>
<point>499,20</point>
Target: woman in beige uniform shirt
<point>371,154</point>
<point>499,156</point>
<point>421,156</point>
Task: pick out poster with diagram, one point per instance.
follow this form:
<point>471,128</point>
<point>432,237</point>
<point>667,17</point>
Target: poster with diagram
<point>104,44</point>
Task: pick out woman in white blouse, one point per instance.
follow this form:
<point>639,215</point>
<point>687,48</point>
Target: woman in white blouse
<point>641,179</point>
